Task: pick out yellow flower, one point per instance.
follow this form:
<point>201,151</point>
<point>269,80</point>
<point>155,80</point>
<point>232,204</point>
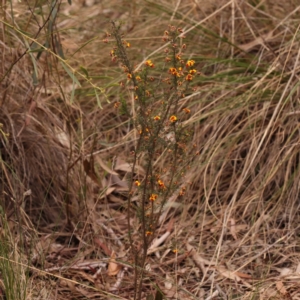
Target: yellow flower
<point>182,191</point>
<point>156,118</point>
<point>146,130</point>
<point>186,110</point>
<point>172,71</point>
<point>129,76</point>
<point>137,183</point>
<point>190,63</point>
<point>189,77</point>
<point>193,71</point>
<point>149,63</point>
<point>173,119</point>
<point>138,78</point>
<point>161,184</point>
<point>117,104</point>
<point>153,197</point>
<point>149,233</point>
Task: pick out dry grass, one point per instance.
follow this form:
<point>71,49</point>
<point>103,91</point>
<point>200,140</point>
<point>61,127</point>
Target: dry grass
<point>63,211</point>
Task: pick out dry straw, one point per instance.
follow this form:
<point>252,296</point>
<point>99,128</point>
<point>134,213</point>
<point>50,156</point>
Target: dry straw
<point>234,234</point>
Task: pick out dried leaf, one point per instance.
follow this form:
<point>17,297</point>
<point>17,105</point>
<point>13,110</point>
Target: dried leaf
<point>241,227</point>
<point>199,260</point>
<point>63,138</point>
<point>280,287</point>
<point>233,228</point>
<point>267,293</point>
<point>213,295</point>
<point>243,275</point>
<point>233,275</point>
<point>113,267</point>
<point>104,166</point>
<point>285,271</point>
<point>106,250</point>
<point>89,170</point>
<point>109,191</point>
<point>67,283</point>
<point>157,242</point>
<point>115,199</point>
<point>126,167</point>
<point>115,180</point>
<point>228,274</point>
<point>168,283</point>
<point>27,193</point>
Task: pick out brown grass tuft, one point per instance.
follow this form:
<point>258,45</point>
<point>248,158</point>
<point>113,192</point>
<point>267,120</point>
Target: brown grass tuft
<point>35,148</point>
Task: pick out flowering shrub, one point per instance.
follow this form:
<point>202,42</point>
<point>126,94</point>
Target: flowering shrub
<point>159,89</point>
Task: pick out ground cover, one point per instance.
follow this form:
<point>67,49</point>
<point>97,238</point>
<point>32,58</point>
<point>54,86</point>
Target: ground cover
<point>65,147</point>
